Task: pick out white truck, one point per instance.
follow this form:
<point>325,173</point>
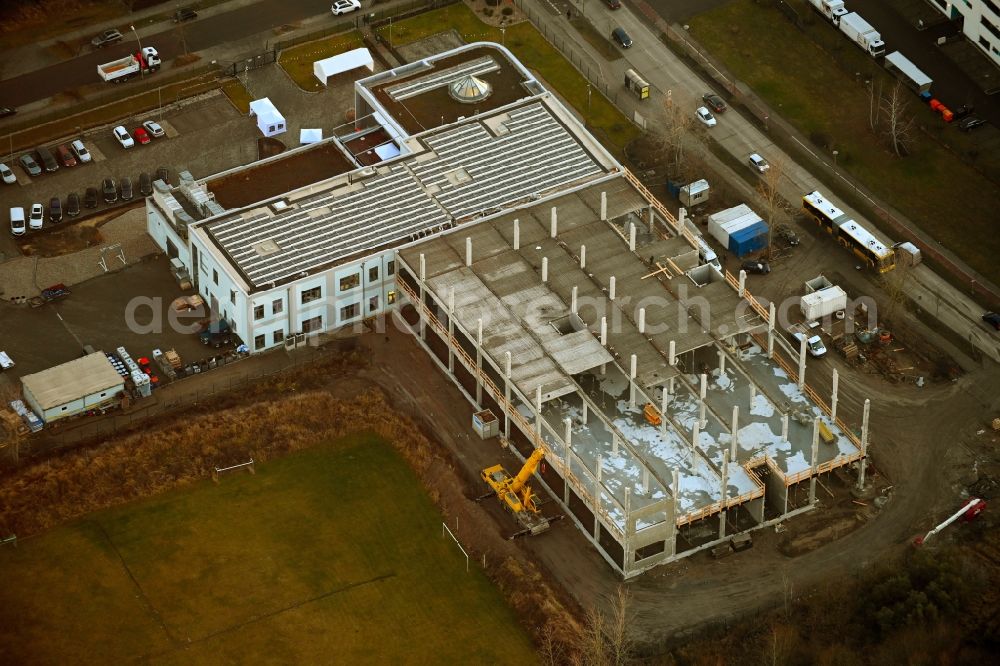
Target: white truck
<point>146,61</point>
<point>863,34</point>
<point>823,303</point>
<point>832,10</point>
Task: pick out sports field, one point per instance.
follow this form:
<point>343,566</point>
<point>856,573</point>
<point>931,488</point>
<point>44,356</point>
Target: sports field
<point>331,555</point>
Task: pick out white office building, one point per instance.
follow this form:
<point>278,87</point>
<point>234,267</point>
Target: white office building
<point>980,22</point>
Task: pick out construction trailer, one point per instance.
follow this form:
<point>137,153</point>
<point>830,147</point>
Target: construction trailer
<point>81,385</point>
<point>739,230</point>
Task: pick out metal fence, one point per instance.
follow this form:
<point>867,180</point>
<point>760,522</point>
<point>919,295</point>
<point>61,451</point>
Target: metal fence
<point>254,61</point>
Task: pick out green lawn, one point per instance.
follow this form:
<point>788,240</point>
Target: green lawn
<point>810,81</point>
<point>298,60</point>
<point>531,48</point>
<point>331,555</point>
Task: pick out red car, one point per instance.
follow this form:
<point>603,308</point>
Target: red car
<point>141,135</point>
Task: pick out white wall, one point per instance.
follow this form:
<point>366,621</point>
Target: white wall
<point>161,231</point>
<point>974,13</point>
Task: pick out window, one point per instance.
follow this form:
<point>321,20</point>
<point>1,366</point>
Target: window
<point>984,43</point>
<point>373,304</point>
<point>258,342</point>
<point>258,312</point>
<point>278,336</point>
<point>989,26</point>
<point>350,282</point>
<point>390,297</point>
<point>310,295</point>
<point>373,273</point>
<point>312,325</point>
<point>232,297</point>
<point>390,268</point>
<point>349,311</point>
<point>277,306</point>
<point>215,276</point>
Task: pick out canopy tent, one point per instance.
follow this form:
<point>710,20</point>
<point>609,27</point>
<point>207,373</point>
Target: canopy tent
<point>269,119</point>
<point>343,62</point>
<point>310,136</point>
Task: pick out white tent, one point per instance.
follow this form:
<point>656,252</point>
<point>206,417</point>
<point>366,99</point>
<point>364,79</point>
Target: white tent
<point>269,119</point>
<point>310,135</point>
<point>338,64</point>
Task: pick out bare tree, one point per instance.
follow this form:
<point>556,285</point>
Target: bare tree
<point>874,104</point>
<point>668,130</point>
<point>899,122</point>
<point>608,640</point>
<point>550,648</point>
<point>595,648</point>
<point>895,283</point>
<point>768,187</point>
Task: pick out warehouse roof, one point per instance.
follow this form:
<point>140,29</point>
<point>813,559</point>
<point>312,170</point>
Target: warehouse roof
<point>73,380</point>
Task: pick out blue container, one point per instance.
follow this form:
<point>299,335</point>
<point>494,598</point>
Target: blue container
<point>749,239</point>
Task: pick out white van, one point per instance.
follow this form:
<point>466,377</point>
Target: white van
<point>80,151</point>
<point>707,255</point>
<point>17,221</point>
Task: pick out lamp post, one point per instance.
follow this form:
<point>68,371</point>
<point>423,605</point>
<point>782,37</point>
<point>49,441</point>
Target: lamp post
<point>139,42</point>
<point>835,153</point>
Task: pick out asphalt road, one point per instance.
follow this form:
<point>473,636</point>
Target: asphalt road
<point>199,35</point>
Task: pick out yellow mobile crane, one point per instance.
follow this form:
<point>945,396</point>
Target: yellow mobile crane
<point>516,495</point>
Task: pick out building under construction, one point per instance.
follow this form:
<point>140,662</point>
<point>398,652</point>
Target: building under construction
<point>554,290</point>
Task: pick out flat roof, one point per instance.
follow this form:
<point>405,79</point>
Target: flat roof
<point>449,175</point>
<point>73,380</point>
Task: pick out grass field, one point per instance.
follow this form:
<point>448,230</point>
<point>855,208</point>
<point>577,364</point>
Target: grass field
<point>298,60</point>
<point>330,555</point>
<point>822,99</point>
<point>531,48</point>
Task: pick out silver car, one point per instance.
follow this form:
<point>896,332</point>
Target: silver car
<point>7,175</point>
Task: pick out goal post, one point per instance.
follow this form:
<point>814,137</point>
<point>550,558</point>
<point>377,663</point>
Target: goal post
<point>444,529</point>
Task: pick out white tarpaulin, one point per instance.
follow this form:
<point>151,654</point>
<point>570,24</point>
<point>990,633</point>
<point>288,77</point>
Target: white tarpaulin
<point>310,136</point>
<point>387,151</point>
<point>343,62</point>
<point>269,119</point>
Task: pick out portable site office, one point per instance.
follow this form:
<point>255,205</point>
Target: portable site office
<point>65,390</point>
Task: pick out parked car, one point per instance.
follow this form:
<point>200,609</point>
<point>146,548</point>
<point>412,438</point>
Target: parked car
<point>36,217</point>
<point>7,175</point>
<point>814,343</point>
<point>705,117</point>
<point>29,165</point>
<point>17,226</point>
<point>153,128</point>
<point>126,187</point>
<point>788,235</point>
<point>185,14</point>
<point>216,334</point>
<point>73,204</point>
<point>55,210</point>
<point>141,135</point>
<point>7,111</point>
<point>971,123</point>
<point>613,4</point>
<point>759,163</point>
<point>621,38</point>
<point>80,150</point>
<point>714,102</point>
<point>46,158</point>
<point>759,267</point>
<point>65,156</point>
<point>107,37</point>
<point>993,319</point>
<point>962,111</point>
<point>90,198</point>
<point>109,190</point>
<point>145,184</point>
<point>123,137</point>
<point>345,6</point>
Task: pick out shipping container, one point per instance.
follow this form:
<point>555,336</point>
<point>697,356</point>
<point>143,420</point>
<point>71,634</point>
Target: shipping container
<point>823,303</point>
<point>739,229</point>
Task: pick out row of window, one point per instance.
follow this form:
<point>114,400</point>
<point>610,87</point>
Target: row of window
<point>354,280</point>
<point>315,324</point>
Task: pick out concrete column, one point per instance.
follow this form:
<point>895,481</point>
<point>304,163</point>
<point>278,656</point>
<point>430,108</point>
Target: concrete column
<point>753,394</point>
<point>784,427</point>
<point>517,234</point>
<point>554,223</point>
<point>651,218</point>
<point>604,331</point>
<point>631,383</point>
<point>568,432</point>
<point>614,445</point>
<point>670,385</point>
<point>802,362</point>
<point>604,205</point>
<point>451,330</point>
<point>862,468</point>
<point>681,216</point>
<point>642,320</point>
<point>468,251</point>
<point>583,257</point>
<point>611,288</point>
<point>725,494</point>
<point>572,301</point>
<point>545,270</point>
<point>538,415</point>
<point>722,364</point>
<point>833,396</point>
<point>567,471</point>
<point>645,480</point>
<point>631,236</point>
<point>663,411</point>
<point>628,560</point>
<point>702,392</point>
<point>672,360</point>
<point>583,418</point>
<point>695,433</point>
<point>423,277</point>
<point>506,395</point>
<point>479,363</point>
<point>597,495</point>
<point>743,282</point>
<point>734,444</point>
<point>815,458</point>
<point>770,331</point>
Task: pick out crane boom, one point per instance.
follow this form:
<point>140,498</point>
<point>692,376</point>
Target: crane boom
<point>970,509</point>
<point>530,465</point>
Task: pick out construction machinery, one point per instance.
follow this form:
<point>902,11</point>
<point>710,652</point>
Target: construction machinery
<point>516,496</point>
<point>969,511</point>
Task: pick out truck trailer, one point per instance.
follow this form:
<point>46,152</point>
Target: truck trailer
<point>831,10</point>
<point>908,73</point>
<point>863,34</point>
<point>146,61</point>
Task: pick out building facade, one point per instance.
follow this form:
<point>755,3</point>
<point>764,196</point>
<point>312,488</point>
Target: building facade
<point>980,22</point>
